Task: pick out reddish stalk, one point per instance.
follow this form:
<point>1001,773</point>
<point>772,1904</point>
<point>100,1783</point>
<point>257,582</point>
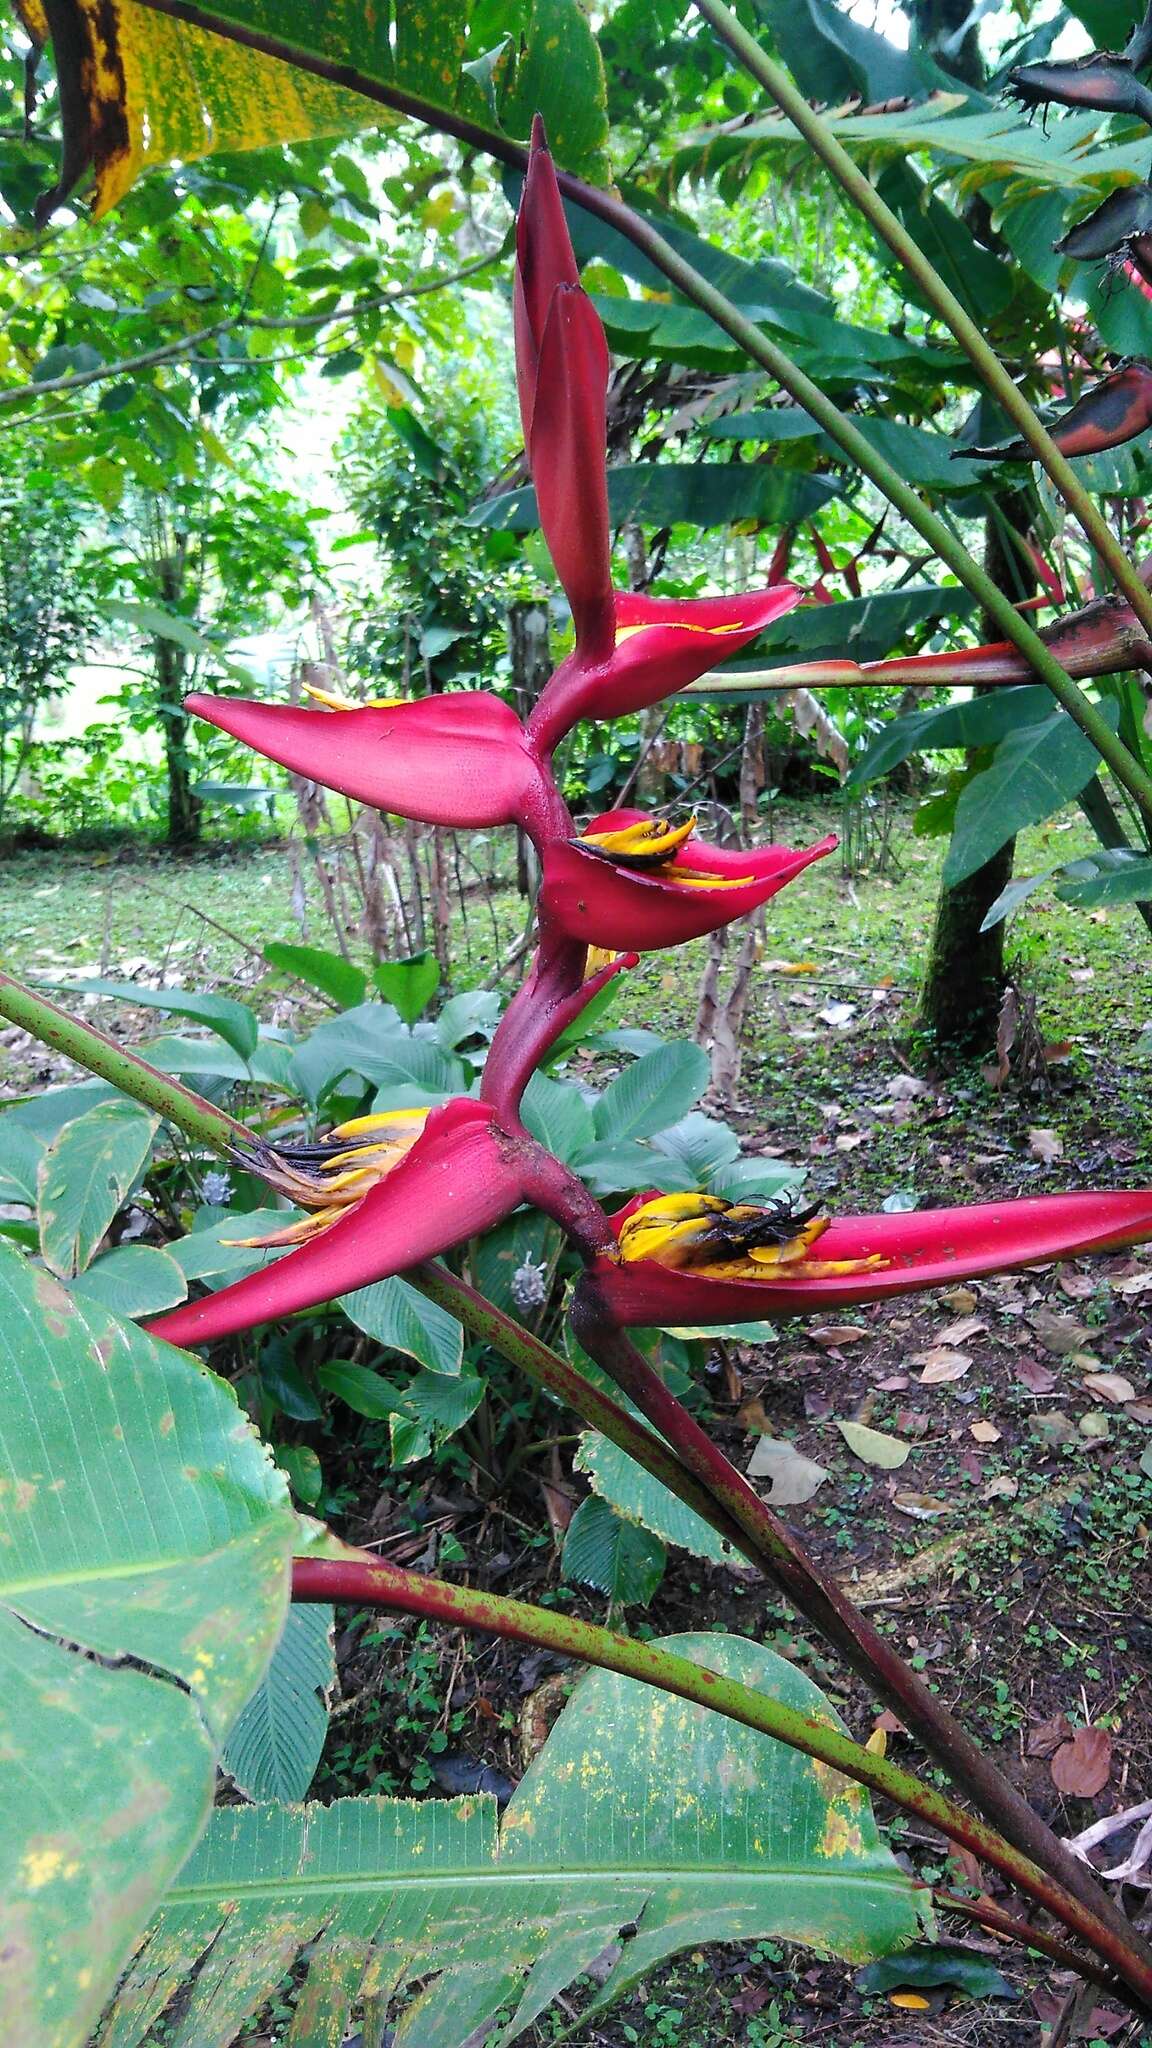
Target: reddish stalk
<point>820,1600</point>
<point>363,1581</point>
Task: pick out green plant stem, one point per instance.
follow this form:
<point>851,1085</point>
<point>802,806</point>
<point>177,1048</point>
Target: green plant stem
<point>848,175</point>
<point>821,1600</point>
<point>360,1580</point>
<point>605,206</point>
<point>489,1325</point>
<point>101,1055</point>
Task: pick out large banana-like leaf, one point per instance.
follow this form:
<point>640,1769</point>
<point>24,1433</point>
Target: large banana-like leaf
<point>144,1546</point>
<point>643,1816</point>
<point>139,88</point>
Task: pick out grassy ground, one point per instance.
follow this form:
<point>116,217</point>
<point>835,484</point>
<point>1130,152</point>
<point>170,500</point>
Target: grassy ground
<point>1009,1556</point>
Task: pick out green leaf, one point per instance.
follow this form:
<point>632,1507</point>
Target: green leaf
<point>441,1404</point>
<point>703,1144</point>
<point>198,1056</point>
<point>88,1170</point>
<point>409,985</point>
<point>145,1539</point>
<point>874,1446</point>
<point>234,1022</point>
<point>21,1152</point>
<point>608,1169</point>
<point>397,1315</point>
<point>317,968</point>
<point>1013,894</point>
<point>980,722</point>
<point>636,1495</point>
<point>133,1280</point>
<point>527,1238</point>
<point>619,1558</point>
<point>681,493</point>
<point>639,1812</point>
<point>932,1965</point>
<point>210,1253</point>
<point>557,1113</point>
<point>754,1179</point>
<point>275,1746</point>
<point>365,1392</point>
<point>1034,772</point>
<point>140,89</point>
<point>473,1014</point>
<point>654,1092</point>
<point>1113,875</point>
<point>370,1041</point>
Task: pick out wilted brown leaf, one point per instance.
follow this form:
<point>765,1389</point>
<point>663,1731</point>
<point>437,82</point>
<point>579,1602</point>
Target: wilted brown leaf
<point>830,1334</point>
<point>1045,1145</point>
<point>1059,1334</point>
<point>922,1507</point>
<point>1038,1378</point>
<point>984,1432</point>
<point>961,1299</point>
<point>1083,1766</point>
<point>793,1477</point>
<point>941,1365</point>
<point>1046,1737</point>
<point>962,1331</point>
<point>1111,1386</point>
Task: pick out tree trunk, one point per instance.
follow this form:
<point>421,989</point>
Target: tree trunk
<point>966,978</point>
<point>185,810</point>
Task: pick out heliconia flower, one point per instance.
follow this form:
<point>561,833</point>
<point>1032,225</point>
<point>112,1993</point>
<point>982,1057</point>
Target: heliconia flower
<point>458,1177</point>
<point>1123,218</point>
<point>633,882</point>
<point>460,758</point>
<point>1113,411</point>
<point>1103,638</point>
<point>328,1178</point>
<point>727,1264</point>
<point>660,645</point>
<point>1100,80</point>
<point>630,650</point>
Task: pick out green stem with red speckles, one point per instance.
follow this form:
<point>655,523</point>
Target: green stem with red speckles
<point>360,1580</point>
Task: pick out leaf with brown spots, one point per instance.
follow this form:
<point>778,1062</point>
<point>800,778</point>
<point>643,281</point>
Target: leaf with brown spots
<point>140,1519</point>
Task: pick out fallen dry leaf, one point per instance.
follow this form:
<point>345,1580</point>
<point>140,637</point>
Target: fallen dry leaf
<point>793,1477</point>
<point>941,1365</point>
<point>1045,1145</point>
<point>984,1432</point>
<point>1003,1487</point>
<point>829,1334</point>
<point>1053,1428</point>
<point>1095,1426</point>
<point>922,1507</point>
<point>1038,1378</point>
<point>960,1332</point>
<point>1135,1283</point>
<point>961,1299</point>
<point>873,1446</point>
<point>1083,1766</point>
<point>1111,1386</point>
<point>791,966</point>
<point>1059,1334</point>
<point>1077,1286</point>
<point>1140,1411</point>
<point>751,1415</point>
<point>1046,1737</point>
<point>894,1384</point>
<point>910,2001</point>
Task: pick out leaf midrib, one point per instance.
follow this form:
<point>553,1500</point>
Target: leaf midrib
<point>489,1873</point>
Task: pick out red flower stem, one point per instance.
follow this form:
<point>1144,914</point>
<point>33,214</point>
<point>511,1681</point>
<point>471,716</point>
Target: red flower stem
<point>546,1367</point>
<point>553,997</point>
<point>364,1581</point>
<point>817,1596</point>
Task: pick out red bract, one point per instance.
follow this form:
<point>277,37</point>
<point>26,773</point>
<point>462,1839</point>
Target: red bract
<point>1103,638</point>
<point>930,1248</point>
<point>661,644</point>
<point>1113,411</point>
<point>609,903</point>
<point>458,759</point>
<point>459,1178</point>
<point>630,650</point>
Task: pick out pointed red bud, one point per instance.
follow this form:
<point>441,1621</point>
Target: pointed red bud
<point>459,1178</point>
<point>457,759</point>
<point>929,1248</point>
<point>566,453</point>
<point>1101,81</point>
<point>699,888</point>
<point>1113,411</point>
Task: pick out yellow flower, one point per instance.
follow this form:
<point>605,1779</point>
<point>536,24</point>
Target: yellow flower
<point>336,1173</point>
<point>732,1240</point>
